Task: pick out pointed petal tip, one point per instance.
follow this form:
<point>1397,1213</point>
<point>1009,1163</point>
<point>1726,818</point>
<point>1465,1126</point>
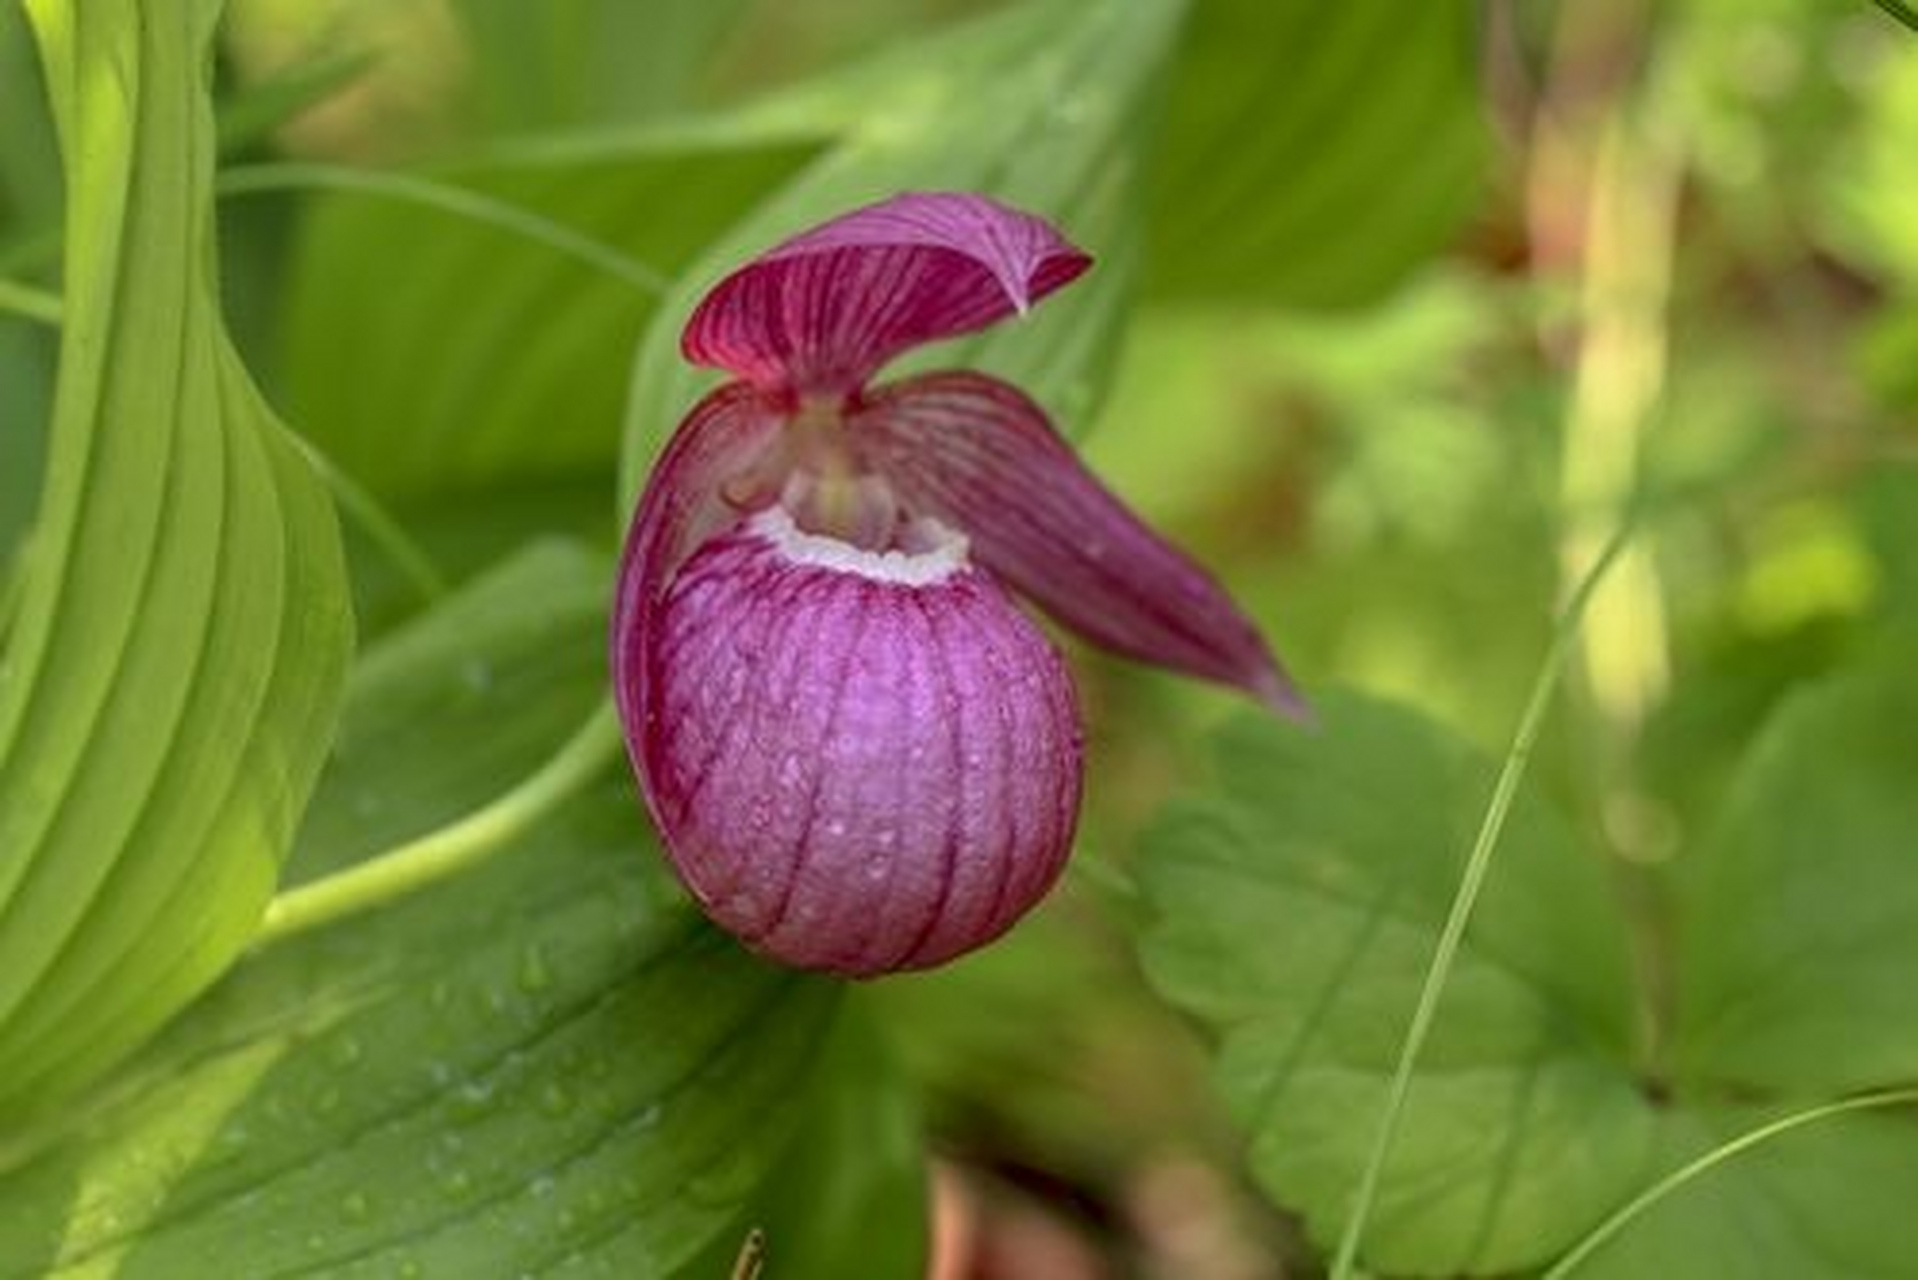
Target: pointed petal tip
<point>1279,695</point>
<point>983,456</point>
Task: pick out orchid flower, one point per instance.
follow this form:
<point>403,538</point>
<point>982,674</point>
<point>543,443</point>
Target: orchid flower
<point>861,754</point>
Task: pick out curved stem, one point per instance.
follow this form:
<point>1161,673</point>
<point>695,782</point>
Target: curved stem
<point>1477,863</point>
<point>460,845</point>
<point>1602,1234</point>
<point>380,526</point>
<point>444,196</point>
<point>41,306</point>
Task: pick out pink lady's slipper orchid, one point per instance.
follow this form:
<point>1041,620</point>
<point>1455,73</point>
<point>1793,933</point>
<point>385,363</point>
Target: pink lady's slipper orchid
<point>861,754</point>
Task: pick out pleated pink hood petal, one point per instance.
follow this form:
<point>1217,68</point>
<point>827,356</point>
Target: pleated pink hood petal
<point>826,309</point>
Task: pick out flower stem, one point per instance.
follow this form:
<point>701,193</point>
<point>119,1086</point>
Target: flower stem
<point>381,527</point>
<point>458,846</point>
<point>447,198</point>
<point>1504,792</point>
<point>38,305</point>
<point>1622,1217</point>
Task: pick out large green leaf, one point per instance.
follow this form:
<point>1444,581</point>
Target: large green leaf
<point>1800,941</point>
<point>1300,908</point>
<point>1314,152</point>
<point>571,62</point>
<point>429,353</point>
<point>170,682</point>
<point>1831,1201</point>
<point>546,1066</point>
<point>1045,106</point>
<point>849,1197</point>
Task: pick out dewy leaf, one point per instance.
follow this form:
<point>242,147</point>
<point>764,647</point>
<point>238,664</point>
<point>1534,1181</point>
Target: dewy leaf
<point>1800,908</point>
<point>1313,152</point>
<point>1044,107</point>
<point>546,1066</point>
<point>170,683</point>
<point>1298,911</point>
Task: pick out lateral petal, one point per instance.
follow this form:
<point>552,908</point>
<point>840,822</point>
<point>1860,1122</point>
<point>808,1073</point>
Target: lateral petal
<point>820,313</point>
<point>980,455</point>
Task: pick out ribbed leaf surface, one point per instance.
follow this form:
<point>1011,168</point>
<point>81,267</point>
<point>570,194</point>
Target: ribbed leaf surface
<point>170,681</point>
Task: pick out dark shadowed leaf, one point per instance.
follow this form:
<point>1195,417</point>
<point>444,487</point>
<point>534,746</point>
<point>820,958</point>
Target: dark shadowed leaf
<point>557,65</point>
<point>1314,153</point>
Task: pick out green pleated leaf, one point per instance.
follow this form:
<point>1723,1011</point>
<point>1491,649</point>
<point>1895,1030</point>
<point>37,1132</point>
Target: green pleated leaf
<point>1314,153</point>
<point>1043,106</point>
<point>1297,912</point>
<point>172,675</point>
<point>547,1066</point>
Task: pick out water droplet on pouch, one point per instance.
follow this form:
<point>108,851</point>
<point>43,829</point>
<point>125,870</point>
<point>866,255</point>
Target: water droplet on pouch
<point>355,1207</point>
